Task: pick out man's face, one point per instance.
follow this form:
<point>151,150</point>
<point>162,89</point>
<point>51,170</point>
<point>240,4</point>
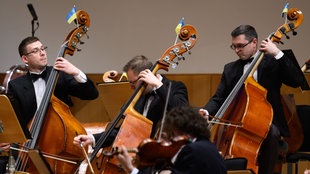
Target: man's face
<point>133,79</point>
<point>36,57</point>
<point>244,48</point>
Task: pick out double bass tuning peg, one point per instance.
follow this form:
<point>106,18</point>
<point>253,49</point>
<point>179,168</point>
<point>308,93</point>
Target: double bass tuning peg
<point>287,37</point>
<point>78,49</point>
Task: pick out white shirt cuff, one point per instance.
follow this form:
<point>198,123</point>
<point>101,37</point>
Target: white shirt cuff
<point>134,171</point>
<point>81,77</point>
<point>279,55</point>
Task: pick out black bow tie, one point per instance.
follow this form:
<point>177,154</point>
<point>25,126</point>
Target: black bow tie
<point>35,77</point>
<point>249,60</point>
<point>152,93</point>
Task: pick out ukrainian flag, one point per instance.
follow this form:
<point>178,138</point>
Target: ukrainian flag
<point>179,26</point>
<point>285,9</point>
<point>71,15</point>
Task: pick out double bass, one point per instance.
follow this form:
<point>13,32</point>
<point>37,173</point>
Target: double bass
<point>134,127</point>
<point>241,106</point>
<point>292,143</point>
<point>53,126</point>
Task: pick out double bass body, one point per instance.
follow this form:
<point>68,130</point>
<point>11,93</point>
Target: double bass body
<point>251,108</point>
<point>59,129</point>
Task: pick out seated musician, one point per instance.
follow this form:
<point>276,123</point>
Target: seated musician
<point>26,92</point>
<point>199,155</point>
<point>152,103</point>
<point>274,70</point>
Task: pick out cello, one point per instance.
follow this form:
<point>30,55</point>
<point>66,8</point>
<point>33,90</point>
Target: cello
<point>241,105</point>
<point>134,127</point>
<point>53,117</point>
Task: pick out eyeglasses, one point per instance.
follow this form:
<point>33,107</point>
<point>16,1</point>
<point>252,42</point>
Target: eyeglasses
<point>133,82</point>
<point>239,46</point>
<point>36,50</point>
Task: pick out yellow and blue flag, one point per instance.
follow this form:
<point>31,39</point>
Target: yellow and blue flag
<point>285,10</point>
<point>71,15</point>
<point>179,26</point>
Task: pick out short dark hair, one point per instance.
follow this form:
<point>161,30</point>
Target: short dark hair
<point>22,46</point>
<point>187,120</point>
<point>248,30</point>
<point>138,64</point>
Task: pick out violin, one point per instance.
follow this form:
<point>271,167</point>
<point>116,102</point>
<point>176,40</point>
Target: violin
<point>152,152</point>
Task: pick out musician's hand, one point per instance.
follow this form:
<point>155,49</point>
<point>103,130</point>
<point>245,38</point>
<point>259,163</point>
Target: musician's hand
<point>64,65</point>
<point>269,47</point>
<point>204,113</point>
<point>84,139</point>
<point>152,80</point>
<point>4,147</point>
<point>125,160</point>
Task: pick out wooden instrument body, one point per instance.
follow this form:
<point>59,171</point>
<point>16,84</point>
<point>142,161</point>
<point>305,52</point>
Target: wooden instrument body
<point>135,128</point>
<point>59,129</point>
<point>254,112</point>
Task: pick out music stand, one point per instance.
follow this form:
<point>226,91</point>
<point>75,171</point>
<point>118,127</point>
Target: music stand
<point>10,129</point>
<point>114,95</point>
<point>12,132</point>
<point>39,162</point>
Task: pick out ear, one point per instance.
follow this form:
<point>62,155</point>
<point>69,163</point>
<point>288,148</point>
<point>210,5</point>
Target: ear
<point>25,59</point>
<point>254,40</point>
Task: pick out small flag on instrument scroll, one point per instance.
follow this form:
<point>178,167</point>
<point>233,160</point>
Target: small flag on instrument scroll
<point>285,10</point>
<point>179,26</point>
<point>71,15</point>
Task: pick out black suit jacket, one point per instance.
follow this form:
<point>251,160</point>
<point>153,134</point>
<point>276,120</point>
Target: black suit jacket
<point>271,75</point>
<point>178,97</point>
<point>22,95</point>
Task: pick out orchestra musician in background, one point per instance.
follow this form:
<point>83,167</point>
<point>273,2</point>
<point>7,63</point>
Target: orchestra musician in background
<point>274,70</point>
<point>198,155</point>
<point>152,103</point>
<point>26,92</point>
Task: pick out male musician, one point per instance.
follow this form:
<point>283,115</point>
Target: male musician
<point>152,103</point>
<point>199,155</point>
<point>26,92</point>
<point>274,70</point>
